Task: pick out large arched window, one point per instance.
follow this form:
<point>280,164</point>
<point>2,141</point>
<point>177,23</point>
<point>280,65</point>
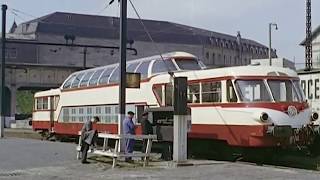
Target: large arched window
<point>143,69</point>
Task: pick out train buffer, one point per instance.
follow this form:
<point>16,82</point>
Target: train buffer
<point>114,153</point>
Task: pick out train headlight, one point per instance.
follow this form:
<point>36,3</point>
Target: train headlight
<point>314,116</point>
<point>264,116</point>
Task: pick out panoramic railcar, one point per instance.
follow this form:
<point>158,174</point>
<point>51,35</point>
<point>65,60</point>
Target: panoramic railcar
<point>245,106</point>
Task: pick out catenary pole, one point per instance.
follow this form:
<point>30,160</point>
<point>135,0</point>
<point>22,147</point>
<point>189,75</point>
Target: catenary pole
<point>3,68</point>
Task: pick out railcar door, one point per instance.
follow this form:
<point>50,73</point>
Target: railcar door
<point>52,109</point>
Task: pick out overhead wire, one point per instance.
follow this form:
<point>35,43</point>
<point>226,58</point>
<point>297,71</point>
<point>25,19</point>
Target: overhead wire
<point>151,39</point>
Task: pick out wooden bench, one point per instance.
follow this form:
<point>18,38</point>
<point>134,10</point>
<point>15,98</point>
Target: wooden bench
<point>114,153</point>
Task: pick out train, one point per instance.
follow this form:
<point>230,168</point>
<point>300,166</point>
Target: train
<point>243,106</point>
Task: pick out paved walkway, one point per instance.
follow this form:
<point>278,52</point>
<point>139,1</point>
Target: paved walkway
<point>25,159</point>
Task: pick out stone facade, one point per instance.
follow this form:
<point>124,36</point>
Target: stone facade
<point>214,49</point>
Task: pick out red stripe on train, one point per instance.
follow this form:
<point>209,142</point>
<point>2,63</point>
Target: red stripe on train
<point>235,135</point>
<point>281,106</point>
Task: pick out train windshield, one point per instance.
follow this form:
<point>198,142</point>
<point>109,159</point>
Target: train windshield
<point>299,89</point>
<point>188,64</point>
<point>252,91</point>
<point>284,91</point>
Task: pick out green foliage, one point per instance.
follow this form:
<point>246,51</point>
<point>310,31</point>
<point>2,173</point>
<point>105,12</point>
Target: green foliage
<point>25,102</point>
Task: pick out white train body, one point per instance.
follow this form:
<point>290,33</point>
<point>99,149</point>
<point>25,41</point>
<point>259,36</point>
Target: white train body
<point>248,106</point>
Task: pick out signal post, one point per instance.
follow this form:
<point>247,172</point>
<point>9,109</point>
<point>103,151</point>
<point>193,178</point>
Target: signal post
<point>180,124</point>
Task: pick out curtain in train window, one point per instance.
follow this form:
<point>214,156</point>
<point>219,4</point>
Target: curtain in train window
<point>193,93</point>
<point>231,93</point>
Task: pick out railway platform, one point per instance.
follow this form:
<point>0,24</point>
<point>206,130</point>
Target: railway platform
<point>34,159</point>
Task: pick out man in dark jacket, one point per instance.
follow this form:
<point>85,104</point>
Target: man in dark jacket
<point>88,137</point>
<point>147,129</point>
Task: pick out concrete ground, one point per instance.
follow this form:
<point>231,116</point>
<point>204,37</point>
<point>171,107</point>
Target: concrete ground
<point>25,159</point>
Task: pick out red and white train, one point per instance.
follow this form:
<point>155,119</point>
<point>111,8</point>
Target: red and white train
<point>245,106</point>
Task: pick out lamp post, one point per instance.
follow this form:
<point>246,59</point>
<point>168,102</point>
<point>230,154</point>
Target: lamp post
<point>3,66</point>
<point>276,27</point>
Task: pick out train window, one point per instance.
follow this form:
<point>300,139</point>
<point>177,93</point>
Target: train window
<point>158,91</point>
<point>56,101</point>
<point>231,93</point>
<point>94,79</point>
<point>65,115</point>
<point>132,67</point>
<point>89,110</point>
<point>39,103</point>
<point>143,69</point>
<point>115,76</point>
<point>163,66</point>
<point>188,64</point>
<point>42,103</point>
<point>67,84</point>
<point>107,110</point>
<point>85,79</point>
<point>283,91</point>
<point>252,91</point>
<point>76,80</point>
<point>193,93</point>
<point>105,76</point>
<point>211,92</point>
<point>98,110</point>
<point>80,110</point>
<point>168,95</point>
<point>299,90</point>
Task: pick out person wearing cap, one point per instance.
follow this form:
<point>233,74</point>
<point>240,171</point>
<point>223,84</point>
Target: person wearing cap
<point>129,129</point>
<point>88,137</point>
<point>146,127</point>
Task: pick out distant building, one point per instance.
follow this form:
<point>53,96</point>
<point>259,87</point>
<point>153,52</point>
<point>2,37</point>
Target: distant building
<point>214,49</point>
<point>280,62</point>
<point>315,47</point>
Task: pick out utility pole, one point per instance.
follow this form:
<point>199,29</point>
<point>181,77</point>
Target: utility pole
<point>122,72</point>
<point>3,69</point>
<point>308,42</point>
<point>85,57</point>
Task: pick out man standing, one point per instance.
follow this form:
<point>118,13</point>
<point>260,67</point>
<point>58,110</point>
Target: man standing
<point>129,129</point>
<point>146,127</point>
<point>88,137</point>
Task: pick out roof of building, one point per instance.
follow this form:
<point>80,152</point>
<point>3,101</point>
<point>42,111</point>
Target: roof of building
<point>315,33</point>
<point>93,26</point>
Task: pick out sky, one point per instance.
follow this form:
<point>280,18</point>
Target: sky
<point>250,17</point>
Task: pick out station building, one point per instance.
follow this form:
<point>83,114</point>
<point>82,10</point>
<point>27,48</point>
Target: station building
<point>213,48</point>
<point>41,67</point>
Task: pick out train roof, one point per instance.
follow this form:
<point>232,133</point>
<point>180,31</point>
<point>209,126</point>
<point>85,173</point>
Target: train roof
<point>238,71</point>
<point>147,67</point>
